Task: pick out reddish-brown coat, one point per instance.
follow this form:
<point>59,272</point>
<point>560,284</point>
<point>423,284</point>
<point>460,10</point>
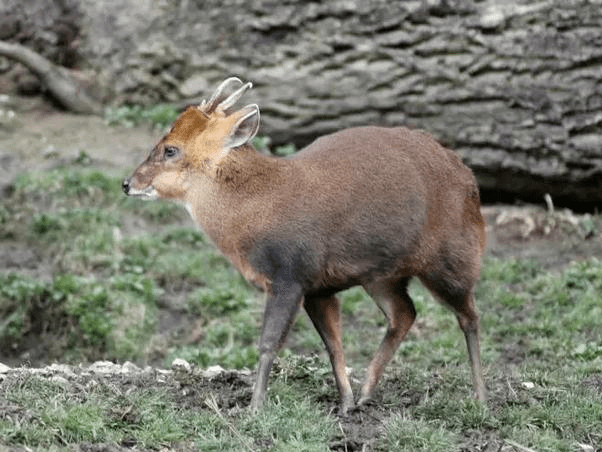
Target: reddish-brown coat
<point>371,206</point>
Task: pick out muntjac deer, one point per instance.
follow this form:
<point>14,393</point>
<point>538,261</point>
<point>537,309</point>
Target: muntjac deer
<point>366,206</point>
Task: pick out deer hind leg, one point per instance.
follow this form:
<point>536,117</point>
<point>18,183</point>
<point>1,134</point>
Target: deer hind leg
<point>469,322</point>
<point>459,297</point>
<point>393,300</point>
<point>325,313</point>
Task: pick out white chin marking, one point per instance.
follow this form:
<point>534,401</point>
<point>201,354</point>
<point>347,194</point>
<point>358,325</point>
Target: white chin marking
<point>148,193</point>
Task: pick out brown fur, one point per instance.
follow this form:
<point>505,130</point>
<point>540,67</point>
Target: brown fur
<point>366,206</point>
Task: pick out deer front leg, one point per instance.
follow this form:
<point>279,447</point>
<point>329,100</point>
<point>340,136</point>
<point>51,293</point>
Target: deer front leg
<point>280,311</point>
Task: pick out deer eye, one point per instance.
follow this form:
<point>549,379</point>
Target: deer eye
<point>170,151</point>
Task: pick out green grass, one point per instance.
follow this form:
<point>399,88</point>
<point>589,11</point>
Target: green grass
<point>109,274</point>
<point>108,268</point>
<point>152,418</point>
<point>403,433</point>
<point>96,414</point>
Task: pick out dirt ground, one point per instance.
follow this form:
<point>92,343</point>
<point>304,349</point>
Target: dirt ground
<point>36,136</point>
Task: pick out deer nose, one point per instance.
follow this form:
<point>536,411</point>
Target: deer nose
<point>125,185</point>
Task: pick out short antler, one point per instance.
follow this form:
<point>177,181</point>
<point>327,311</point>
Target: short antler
<point>232,98</point>
<point>220,100</point>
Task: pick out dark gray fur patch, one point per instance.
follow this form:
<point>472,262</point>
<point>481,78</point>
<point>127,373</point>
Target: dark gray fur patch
<point>285,261</point>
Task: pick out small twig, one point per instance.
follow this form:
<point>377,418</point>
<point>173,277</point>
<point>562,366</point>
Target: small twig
<point>514,394</point>
<point>344,436</point>
<point>519,446</point>
<point>212,403</point>
<point>548,199</point>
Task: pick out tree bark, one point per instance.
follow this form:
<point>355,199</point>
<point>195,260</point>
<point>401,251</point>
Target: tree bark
<point>516,89</point>
<point>514,86</point>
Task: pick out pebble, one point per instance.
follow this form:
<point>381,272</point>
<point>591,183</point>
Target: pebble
<point>213,371</point>
<point>180,365</point>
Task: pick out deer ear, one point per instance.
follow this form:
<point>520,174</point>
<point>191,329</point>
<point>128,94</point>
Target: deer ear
<point>245,128</point>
